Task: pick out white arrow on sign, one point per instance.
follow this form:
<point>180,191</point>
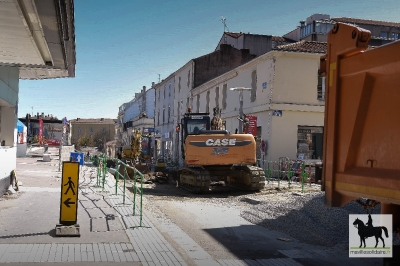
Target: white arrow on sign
<point>79,158</point>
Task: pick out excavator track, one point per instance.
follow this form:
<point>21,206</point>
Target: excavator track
<point>246,177</point>
<point>195,180</point>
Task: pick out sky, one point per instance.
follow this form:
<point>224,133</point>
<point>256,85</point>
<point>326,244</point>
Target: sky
<point>123,45</point>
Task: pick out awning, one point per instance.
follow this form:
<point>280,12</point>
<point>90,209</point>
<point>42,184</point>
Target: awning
<point>20,126</point>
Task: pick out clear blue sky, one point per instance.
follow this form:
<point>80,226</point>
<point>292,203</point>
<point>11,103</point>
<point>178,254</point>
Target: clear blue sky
<point>123,45</point>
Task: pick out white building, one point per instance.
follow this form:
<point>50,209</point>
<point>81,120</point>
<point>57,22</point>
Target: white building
<point>284,96</point>
<point>164,121</point>
<point>37,42</point>
<point>136,114</point>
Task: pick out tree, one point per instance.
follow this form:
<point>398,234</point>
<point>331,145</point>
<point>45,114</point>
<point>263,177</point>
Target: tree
<point>100,139</point>
<point>84,141</point>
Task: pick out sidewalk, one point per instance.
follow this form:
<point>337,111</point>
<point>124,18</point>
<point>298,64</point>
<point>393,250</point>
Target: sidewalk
<point>110,233</point>
<point>28,220</point>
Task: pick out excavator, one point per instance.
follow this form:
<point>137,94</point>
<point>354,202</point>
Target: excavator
<point>137,152</point>
<point>210,152</point>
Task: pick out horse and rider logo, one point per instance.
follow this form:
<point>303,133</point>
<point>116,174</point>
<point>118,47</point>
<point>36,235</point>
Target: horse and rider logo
<point>376,226</point>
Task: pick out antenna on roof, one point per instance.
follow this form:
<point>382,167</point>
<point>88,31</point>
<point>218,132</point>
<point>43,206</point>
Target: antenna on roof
<point>223,20</point>
<point>158,78</point>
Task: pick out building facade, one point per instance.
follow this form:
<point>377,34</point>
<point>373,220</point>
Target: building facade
<point>94,128</point>
<point>317,26</point>
<point>37,42</point>
<point>283,96</point>
<point>257,44</point>
<point>135,114</point>
<point>164,117</point>
<point>52,126</point>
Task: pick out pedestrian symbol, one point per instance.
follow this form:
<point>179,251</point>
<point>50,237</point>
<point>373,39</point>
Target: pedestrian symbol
<point>70,185</point>
<point>69,193</point>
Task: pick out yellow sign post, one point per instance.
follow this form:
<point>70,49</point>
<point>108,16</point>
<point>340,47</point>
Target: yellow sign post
<point>69,200</point>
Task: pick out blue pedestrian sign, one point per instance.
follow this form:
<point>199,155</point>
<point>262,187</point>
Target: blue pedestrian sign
<point>78,157</point>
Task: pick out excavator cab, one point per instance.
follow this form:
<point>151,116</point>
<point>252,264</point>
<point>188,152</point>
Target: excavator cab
<point>192,124</point>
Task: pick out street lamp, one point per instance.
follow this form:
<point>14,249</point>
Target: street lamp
<point>240,89</point>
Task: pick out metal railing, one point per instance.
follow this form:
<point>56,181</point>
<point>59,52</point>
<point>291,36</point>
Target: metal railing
<point>289,170</point>
<point>120,172</point>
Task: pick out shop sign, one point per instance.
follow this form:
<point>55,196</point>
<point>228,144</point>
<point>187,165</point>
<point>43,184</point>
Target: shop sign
<point>252,125</point>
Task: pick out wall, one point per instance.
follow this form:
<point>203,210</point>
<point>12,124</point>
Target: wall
<point>8,162</point>
<point>164,118</point>
<point>9,81</point>
<point>285,81</point>
<point>297,78</point>
<point>257,44</point>
<point>96,126</point>
<point>284,132</point>
<point>215,64</point>
<point>66,152</point>
<point>134,107</point>
<point>21,150</point>
<point>182,100</point>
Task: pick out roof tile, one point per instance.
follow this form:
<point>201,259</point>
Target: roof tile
<point>366,21</point>
<point>93,120</point>
<point>304,47</point>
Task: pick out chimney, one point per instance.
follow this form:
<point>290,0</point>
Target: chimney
<point>302,23</point>
<point>42,115</point>
<point>77,119</point>
<point>152,84</point>
<point>101,119</point>
<point>37,115</point>
<point>144,89</point>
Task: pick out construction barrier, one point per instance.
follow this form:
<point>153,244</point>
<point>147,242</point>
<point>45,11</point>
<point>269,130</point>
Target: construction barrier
<point>287,170</point>
<point>100,161</point>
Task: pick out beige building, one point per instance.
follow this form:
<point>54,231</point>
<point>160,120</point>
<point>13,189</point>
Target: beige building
<point>105,127</point>
<point>285,96</point>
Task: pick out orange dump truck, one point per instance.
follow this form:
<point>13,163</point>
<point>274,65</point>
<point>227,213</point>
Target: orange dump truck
<point>362,130</point>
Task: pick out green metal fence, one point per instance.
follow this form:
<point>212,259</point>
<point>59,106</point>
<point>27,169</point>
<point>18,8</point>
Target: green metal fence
<point>100,161</point>
<point>290,171</point>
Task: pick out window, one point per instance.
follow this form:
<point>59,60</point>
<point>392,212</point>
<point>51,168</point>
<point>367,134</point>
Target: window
<point>253,86</point>
<point>187,103</point>
<point>169,112</point>
<point>198,103</point>
<point>384,34</point>
<point>163,115</point>
<point>224,91</point>
<point>395,36</point>
<point>208,102</point>
<point>217,96</point>
<point>179,84</point>
<point>165,88</point>
<point>91,129</point>
<point>159,92</point>
<point>195,125</point>
<point>158,117</point>
<point>321,87</point>
<point>169,90</point>
<point>180,108</point>
<point>79,129</point>
<point>188,79</point>
<point>104,129</point>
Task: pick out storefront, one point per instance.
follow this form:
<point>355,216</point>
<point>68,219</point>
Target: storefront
<point>310,142</point>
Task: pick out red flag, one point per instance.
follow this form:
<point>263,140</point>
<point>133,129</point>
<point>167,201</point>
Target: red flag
<point>40,131</point>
